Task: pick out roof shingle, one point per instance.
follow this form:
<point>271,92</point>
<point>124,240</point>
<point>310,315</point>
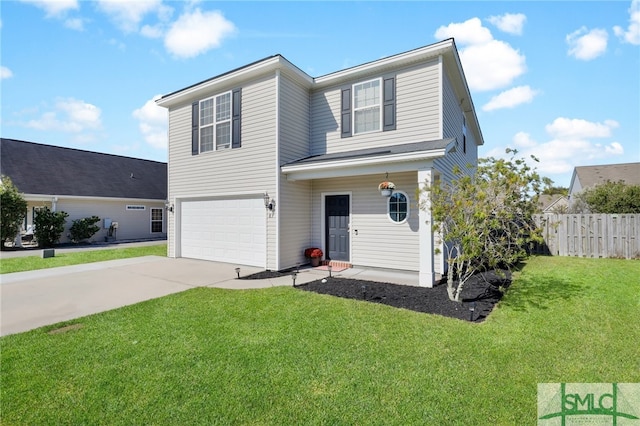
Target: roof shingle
<point>51,170</point>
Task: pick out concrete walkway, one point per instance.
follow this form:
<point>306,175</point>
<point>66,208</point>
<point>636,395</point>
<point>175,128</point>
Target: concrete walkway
<point>36,298</point>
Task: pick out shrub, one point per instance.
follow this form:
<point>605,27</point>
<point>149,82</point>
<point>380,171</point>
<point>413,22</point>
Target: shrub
<point>83,229</point>
<point>13,208</point>
<point>49,226</point>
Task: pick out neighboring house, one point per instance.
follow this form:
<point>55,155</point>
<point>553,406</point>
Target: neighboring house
<point>266,161</point>
<point>589,176</point>
<point>556,203</point>
<point>129,191</point>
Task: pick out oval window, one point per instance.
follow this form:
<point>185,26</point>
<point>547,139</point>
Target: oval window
<point>398,207</point>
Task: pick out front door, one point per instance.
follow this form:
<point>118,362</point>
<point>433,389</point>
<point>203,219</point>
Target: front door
<point>337,227</point>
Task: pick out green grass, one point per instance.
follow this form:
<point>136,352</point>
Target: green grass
<point>282,356</point>
<point>30,263</point>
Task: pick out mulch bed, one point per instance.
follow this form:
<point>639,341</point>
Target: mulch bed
<point>481,292</point>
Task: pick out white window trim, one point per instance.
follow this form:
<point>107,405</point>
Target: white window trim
<point>389,209</point>
<point>151,231</point>
<point>354,109</point>
<point>214,123</point>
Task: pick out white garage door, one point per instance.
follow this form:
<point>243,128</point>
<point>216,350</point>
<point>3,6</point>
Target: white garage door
<point>230,230</point>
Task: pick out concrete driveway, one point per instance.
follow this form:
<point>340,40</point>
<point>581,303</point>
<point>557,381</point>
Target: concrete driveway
<point>33,299</point>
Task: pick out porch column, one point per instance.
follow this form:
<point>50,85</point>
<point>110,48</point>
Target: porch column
<point>425,234</point>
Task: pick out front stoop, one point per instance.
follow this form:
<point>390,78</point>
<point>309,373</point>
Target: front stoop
<point>336,264</point>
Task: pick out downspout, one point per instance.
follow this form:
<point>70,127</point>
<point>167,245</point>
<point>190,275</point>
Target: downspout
<point>440,98</point>
<point>277,135</point>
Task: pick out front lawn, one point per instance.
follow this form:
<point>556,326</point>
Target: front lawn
<point>283,356</point>
<point>31,263</point>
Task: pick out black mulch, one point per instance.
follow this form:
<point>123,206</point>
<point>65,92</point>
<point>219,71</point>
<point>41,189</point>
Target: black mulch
<point>263,275</point>
<point>481,292</point>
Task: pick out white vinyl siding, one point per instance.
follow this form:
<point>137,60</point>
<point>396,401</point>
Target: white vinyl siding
<point>453,121</point>
<point>249,169</point>
<point>417,113</point>
<point>378,242</point>
<point>294,200</point>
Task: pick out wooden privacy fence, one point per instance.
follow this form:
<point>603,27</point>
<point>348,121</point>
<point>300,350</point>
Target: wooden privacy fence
<point>590,235</point>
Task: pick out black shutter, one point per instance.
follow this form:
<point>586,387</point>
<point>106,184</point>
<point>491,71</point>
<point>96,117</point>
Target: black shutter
<point>195,148</point>
<point>389,104</point>
<point>236,104</point>
<point>346,113</point>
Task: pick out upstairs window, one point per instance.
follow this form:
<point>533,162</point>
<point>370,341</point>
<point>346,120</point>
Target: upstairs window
<point>366,107</point>
<point>216,123</point>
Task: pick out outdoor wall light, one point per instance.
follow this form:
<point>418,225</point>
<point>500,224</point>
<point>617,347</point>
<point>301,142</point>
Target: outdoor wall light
<point>293,277</point>
<point>168,206</point>
<point>268,202</point>
<point>238,272</point>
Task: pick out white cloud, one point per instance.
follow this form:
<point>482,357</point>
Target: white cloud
<point>197,32</point>
<point>632,34</point>
<point>572,143</point>
<point>74,24</point>
<point>511,98</point>
<point>489,64</point>
<point>587,45</point>
<point>128,14</point>
<point>152,122</point>
<point>566,128</point>
<point>151,31</point>
<point>523,140</point>
<point>468,32</point>
<point>54,8</point>
<point>511,23</point>
<point>70,115</point>
<point>5,73</point>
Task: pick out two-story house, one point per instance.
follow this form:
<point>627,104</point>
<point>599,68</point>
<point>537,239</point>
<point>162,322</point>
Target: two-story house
<point>265,161</point>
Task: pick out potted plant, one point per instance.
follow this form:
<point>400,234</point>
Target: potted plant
<point>386,188</point>
<point>313,254</point>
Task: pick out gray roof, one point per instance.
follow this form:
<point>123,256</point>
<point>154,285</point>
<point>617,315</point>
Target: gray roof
<point>629,173</point>
<point>51,170</point>
<point>375,152</point>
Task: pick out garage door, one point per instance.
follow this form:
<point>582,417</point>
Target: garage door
<point>229,230</point>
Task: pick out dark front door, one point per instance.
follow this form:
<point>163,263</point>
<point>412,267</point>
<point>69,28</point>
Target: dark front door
<point>337,227</point>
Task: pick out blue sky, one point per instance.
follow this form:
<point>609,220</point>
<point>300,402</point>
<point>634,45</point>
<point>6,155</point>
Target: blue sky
<point>559,80</point>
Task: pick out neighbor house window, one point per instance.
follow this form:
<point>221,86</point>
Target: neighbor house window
<point>366,107</point>
<point>398,207</point>
<point>156,220</point>
<point>135,207</point>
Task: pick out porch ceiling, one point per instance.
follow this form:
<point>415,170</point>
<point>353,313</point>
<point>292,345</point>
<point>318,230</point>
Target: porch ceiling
<point>394,158</point>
